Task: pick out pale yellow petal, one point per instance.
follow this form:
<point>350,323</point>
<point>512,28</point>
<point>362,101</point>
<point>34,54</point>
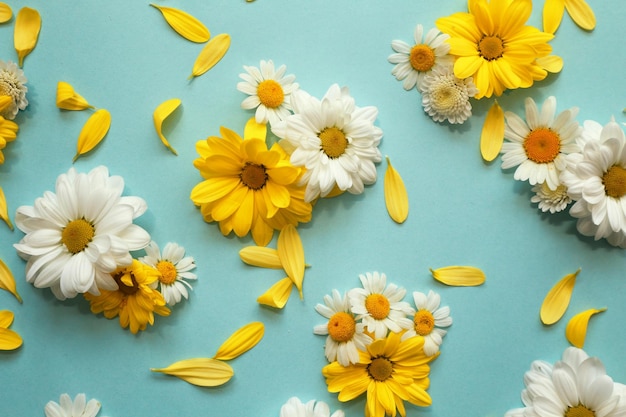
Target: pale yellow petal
<point>4,210</point>
<point>581,13</point>
<point>7,281</point>
<point>213,51</point>
<point>5,102</point>
<point>261,256</point>
<point>278,294</point>
<point>459,276</point>
<point>556,301</point>
<point>94,130</point>
<point>161,113</point>
<point>241,341</point>
<point>204,372</point>
<point>492,135</point>
<point>26,32</point>
<point>254,130</point>
<point>552,14</point>
<point>291,254</point>
<point>550,63</point>
<point>5,12</point>
<point>6,318</point>
<point>396,197</point>
<point>9,340</point>
<point>576,330</point>
<point>184,24</point>
<point>68,99</point>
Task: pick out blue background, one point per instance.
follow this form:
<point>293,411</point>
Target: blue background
<point>122,56</point>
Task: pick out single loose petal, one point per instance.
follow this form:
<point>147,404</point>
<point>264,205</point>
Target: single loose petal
<point>576,330</point>
<point>6,318</point>
<point>4,210</point>
<point>581,13</point>
<point>26,32</point>
<point>278,294</point>
<point>5,102</point>
<point>396,197</point>
<point>556,301</point>
<point>241,341</point>
<point>492,135</point>
<point>459,276</point>
<point>7,281</point>
<point>261,256</point>
<point>5,13</point>
<point>160,114</point>
<point>68,99</point>
<point>204,372</point>
<point>552,15</point>
<point>211,54</point>
<point>94,130</point>
<point>184,24</point>
<point>291,254</point>
<point>9,340</point>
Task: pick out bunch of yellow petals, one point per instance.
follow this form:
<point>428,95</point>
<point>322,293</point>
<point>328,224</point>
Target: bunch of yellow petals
<point>8,133</point>
<point>9,340</point>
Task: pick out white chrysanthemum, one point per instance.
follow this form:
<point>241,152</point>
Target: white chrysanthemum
<point>596,180</point>
<point>173,267</point>
<point>553,201</point>
<point>345,335</point>
<point>538,146</point>
<point>295,408</point>
<point>13,84</point>
<point>334,140</point>
<point>428,320</point>
<point>269,90</point>
<point>77,236</point>
<point>380,306</point>
<point>576,386</point>
<point>446,97</point>
<point>413,63</point>
<point>77,408</point>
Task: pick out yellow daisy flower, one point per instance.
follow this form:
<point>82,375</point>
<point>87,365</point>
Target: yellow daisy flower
<point>135,302</point>
<point>8,133</point>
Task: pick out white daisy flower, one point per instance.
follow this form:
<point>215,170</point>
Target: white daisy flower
<point>345,335</point>
<point>596,180</point>
<point>173,267</point>
<point>13,84</point>
<point>269,90</point>
<point>553,201</point>
<point>77,236</point>
<point>68,408</point>
<point>334,140</point>
<point>428,320</point>
<point>295,408</point>
<point>380,306</point>
<point>446,97</point>
<point>538,146</point>
<point>576,386</point>
<point>413,63</point>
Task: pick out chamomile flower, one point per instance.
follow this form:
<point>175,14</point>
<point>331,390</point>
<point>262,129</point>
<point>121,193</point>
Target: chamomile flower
<point>553,201</point>
<point>13,84</point>
<point>296,408</point>
<point>174,268</point>
<point>446,97</point>
<point>345,335</point>
<point>80,407</point>
<point>428,321</point>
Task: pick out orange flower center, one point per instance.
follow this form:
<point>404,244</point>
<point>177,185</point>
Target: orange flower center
<point>253,176</point>
<point>614,181</point>
<point>168,272</point>
<point>380,369</point>
<point>424,322</point>
<point>270,93</point>
<point>377,305</point>
<point>542,145</point>
<point>422,58</point>
<point>579,411</point>
<point>123,288</point>
<point>491,47</point>
<point>77,235</point>
<point>334,142</point>
<point>341,327</point>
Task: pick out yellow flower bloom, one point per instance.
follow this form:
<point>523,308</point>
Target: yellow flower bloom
<point>8,133</point>
<point>135,302</point>
<point>495,47</point>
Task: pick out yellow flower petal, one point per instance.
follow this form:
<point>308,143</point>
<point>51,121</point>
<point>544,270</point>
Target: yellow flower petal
<point>6,318</point>
<point>241,341</point>
<point>4,210</point>
<point>492,135</point>
<point>160,114</point>
<point>7,282</point>
<point>254,130</point>
<point>291,254</point>
<point>94,130</point>
<point>5,101</point>
<point>581,13</point>
<point>396,197</point>
<point>5,13</point>
<point>26,32</point>
<point>9,340</point>
<point>459,276</point>
<point>204,372</point>
<point>552,15</point>
<point>184,24</point>
<point>278,294</point>
<point>556,301</point>
<point>261,256</point>
<point>213,51</point>
<point>550,63</point>
<point>68,99</point>
<point>576,329</point>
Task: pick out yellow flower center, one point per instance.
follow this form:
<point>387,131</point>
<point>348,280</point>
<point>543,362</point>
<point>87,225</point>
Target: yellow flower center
<point>446,97</point>
<point>542,145</point>
<point>377,305</point>
<point>168,272</point>
<point>123,288</point>
<point>341,327</point>
<point>421,57</point>
<point>424,322</point>
<point>380,369</point>
<point>270,93</point>
<point>334,142</point>
<point>579,411</point>
<point>77,235</point>
<point>614,181</point>
<point>491,47</point>
<point>253,176</point>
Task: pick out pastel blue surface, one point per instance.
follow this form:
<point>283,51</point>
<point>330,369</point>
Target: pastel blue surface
<point>122,56</point>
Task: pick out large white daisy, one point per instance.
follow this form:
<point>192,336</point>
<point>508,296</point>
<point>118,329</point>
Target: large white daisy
<point>428,321</point>
<point>335,141</point>
<point>68,408</point>
<point>77,236</point>
<point>13,84</point>
<point>345,335</point>
<point>295,408</point>
<point>537,146</point>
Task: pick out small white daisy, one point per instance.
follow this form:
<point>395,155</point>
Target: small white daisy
<point>295,408</point>
<point>380,306</point>
<point>538,146</point>
<point>68,408</point>
<point>413,63</point>
<point>269,90</point>
<point>446,97</point>
<point>428,320</point>
<point>13,84</point>
<point>345,335</point>
<point>553,201</point>
<point>173,267</point>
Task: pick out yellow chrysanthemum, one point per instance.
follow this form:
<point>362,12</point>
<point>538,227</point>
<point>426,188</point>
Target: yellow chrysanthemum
<point>248,188</point>
<point>135,302</point>
<point>8,133</point>
<point>390,371</point>
<point>493,45</point>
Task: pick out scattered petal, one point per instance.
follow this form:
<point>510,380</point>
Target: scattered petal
<point>5,102</point>
<point>396,197</point>
<point>492,135</point>
<point>26,32</point>
<point>278,294</point>
<point>211,54</point>
<point>7,281</point>
<point>160,114</point>
<point>5,13</point>
<point>9,340</point>
<point>557,299</point>
<point>203,372</point>
<point>241,341</point>
<point>552,15</point>
<point>459,276</point>
<point>576,329</point>
<point>94,130</point>
<point>184,24</point>
<point>4,210</point>
<point>291,254</point>
<point>68,99</point>
<point>261,256</point>
<point>6,318</point>
<point>581,13</point>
